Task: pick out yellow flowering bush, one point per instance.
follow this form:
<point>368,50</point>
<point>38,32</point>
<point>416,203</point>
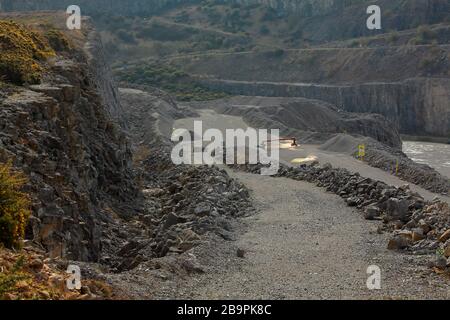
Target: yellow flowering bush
<point>14,207</point>
<point>22,51</point>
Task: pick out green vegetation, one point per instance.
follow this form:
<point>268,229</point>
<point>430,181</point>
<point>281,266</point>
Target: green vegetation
<point>126,36</point>
<point>23,52</point>
<point>393,37</point>
<point>170,79</point>
<point>14,207</point>
<point>424,35</point>
<point>9,280</point>
<point>57,40</point>
<point>264,30</point>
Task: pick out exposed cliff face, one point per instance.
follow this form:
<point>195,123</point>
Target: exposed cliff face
<point>101,75</point>
<point>416,106</point>
<point>62,135</point>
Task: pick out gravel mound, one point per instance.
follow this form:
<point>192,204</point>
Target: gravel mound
<point>344,143</point>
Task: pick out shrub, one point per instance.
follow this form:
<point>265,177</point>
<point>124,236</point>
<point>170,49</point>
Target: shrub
<point>57,40</point>
<point>275,53</point>
<point>426,63</point>
<point>393,37</point>
<point>126,37</point>
<point>8,280</point>
<point>424,35</point>
<point>21,51</point>
<point>264,30</point>
<point>14,207</point>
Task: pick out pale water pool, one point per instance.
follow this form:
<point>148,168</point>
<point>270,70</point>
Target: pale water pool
<point>436,155</point>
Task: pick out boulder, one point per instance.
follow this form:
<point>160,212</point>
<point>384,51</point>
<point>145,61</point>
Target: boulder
<point>398,209</point>
<point>447,251</point>
<point>445,236</point>
<point>371,212</point>
<point>202,209</point>
<point>399,242</point>
<point>171,219</point>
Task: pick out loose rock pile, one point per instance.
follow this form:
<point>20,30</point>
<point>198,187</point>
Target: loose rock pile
<point>418,226</point>
<point>182,204</point>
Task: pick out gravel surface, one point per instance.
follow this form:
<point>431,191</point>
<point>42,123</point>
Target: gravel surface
<point>304,244</point>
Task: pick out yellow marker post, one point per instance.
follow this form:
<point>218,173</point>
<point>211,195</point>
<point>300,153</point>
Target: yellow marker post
<point>361,151</point>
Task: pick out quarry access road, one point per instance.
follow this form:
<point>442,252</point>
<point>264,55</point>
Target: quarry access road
<point>304,243</point>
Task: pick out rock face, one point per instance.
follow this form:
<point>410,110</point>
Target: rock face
<point>415,106</point>
<point>101,75</point>
<point>78,161</point>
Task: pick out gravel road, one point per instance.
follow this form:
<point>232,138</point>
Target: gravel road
<point>304,243</point>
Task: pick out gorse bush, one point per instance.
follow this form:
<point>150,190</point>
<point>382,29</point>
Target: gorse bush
<point>8,280</point>
<point>57,40</point>
<point>21,51</point>
<point>14,207</point>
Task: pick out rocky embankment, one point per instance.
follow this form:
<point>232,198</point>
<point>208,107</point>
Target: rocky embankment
<point>183,206</point>
<point>417,226</point>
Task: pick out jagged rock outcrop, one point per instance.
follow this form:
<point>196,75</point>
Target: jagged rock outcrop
<point>60,133</point>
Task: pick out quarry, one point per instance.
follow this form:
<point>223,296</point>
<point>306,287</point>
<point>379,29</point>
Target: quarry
<point>91,118</point>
